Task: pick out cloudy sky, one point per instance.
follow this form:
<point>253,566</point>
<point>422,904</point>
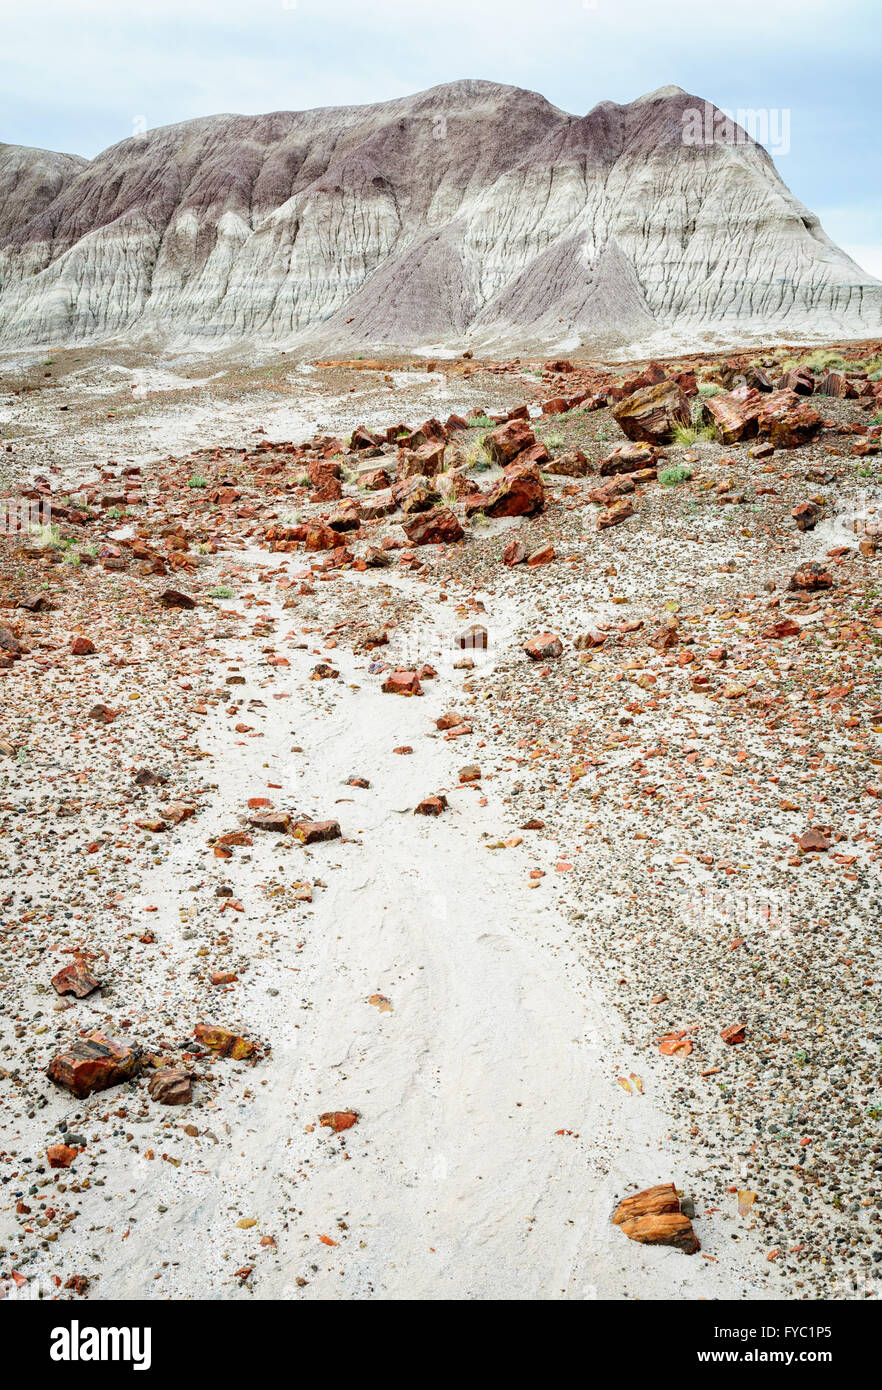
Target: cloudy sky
<point>79,75</point>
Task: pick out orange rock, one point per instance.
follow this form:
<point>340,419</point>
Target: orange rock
<point>653,1217</point>
<point>221,1040</point>
<point>93,1064</point>
<point>338,1120</point>
<point>61,1155</point>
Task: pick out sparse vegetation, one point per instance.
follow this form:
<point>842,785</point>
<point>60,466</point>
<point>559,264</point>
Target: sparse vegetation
<point>678,473</point>
<point>197,481</point>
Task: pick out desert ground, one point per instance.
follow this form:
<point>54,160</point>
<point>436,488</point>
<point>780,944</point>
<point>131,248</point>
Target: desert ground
<point>630,939</point>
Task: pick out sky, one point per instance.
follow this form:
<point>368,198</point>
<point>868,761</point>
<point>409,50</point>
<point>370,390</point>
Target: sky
<point>79,75</point>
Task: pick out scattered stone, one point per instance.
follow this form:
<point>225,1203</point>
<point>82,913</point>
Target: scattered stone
<point>653,1217</point>
<point>93,1063</point>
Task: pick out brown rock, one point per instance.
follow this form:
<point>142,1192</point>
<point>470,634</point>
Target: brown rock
<point>653,1217</point>
<point>74,979</point>
<point>520,492</point>
<point>437,527</point>
<point>92,1064</point>
<point>811,577</point>
<point>734,414</point>
<point>102,714</point>
<point>734,1034</point>
<point>172,598</point>
<point>541,556</point>
<point>320,536</point>
<point>472,637</point>
<point>787,423</point>
<point>431,806</point>
<point>543,646</point>
<point>313,832</point>
<point>613,516</point>
<point>813,842</point>
<point>652,413</point>
<point>171,1086</point>
<point>515,553</point>
<point>503,444</point>
<point>402,683</point>
<point>572,464</point>
<point>806,515</point>
<point>374,479</point>
<point>277,821</point>
<point>82,646</point>
<point>9,643</point>
<point>627,458</point>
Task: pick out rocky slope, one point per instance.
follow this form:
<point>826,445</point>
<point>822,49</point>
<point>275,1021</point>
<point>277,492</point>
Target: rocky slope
<point>469,214</point>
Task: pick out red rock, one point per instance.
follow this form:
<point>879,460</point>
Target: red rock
<point>74,979</point>
<point>537,453</point>
<point>806,515</point>
<point>346,517</point>
<point>339,1120</point>
<point>628,458</point>
<point>503,444</point>
<point>592,638</point>
<point>520,492</point>
<point>613,516</point>
<point>173,598</point>
<point>785,422</point>
<point>82,646</point>
<point>427,459</point>
<point>415,495</point>
<point>277,821</point>
<point>102,714</point>
<point>653,1217</point>
<point>431,806</point>
<point>734,414</point>
<point>557,406</point>
<point>320,536</point>
<point>171,1086</point>
<point>734,1034</point>
<point>515,553</point>
<point>544,646</point>
<point>617,487</point>
<point>813,842</point>
<point>652,413</point>
<point>61,1155</point>
<point>374,479</point>
<point>92,1064</point>
<point>800,380</point>
<point>402,683</point>
<point>362,438</point>
<point>437,527</point>
<point>313,832</point>
<point>324,476</point>
<point>810,577</point>
<point>470,773</point>
<point>572,464</point>
<point>787,627</point>
<point>542,556</point>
